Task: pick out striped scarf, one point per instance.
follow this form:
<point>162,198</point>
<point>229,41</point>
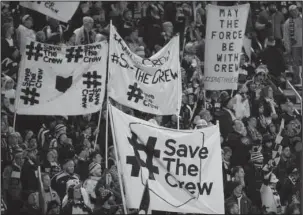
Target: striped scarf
<point>292,31</point>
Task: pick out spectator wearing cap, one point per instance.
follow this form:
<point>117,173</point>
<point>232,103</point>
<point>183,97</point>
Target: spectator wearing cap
<point>95,173</point>
<point>25,32</point>
<point>85,34</point>
<point>48,195</point>
<point>270,23</point>
<point>290,186</point>
<point>244,203</point>
<point>12,187</point>
<point>273,58</point>
<point>29,172</point>
<point>58,182</point>
<point>269,195</point>
<point>293,39</point>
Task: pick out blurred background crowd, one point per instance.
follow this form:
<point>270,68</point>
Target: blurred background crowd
<point>260,124</point>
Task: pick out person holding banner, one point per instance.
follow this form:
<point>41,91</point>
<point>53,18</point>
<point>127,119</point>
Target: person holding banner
<point>25,32</point>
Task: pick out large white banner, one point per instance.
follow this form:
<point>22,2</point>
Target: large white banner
<point>60,10</point>
<point>60,80</point>
<point>183,168</point>
<point>150,85</point>
<point>223,45</point>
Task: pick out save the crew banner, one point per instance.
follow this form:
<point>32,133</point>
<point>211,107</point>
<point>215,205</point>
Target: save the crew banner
<point>151,85</point>
<point>223,45</point>
<point>62,80</point>
<point>183,176</point>
<point>60,10</point>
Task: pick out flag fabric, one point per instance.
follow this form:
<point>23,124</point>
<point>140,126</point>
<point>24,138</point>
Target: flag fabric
<point>62,80</point>
<point>224,40</point>
<point>151,85</point>
<point>60,10</point>
<point>144,205</point>
<point>183,176</point>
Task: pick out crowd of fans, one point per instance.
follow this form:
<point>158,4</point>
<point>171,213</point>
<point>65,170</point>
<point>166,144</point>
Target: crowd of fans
<point>260,130</point>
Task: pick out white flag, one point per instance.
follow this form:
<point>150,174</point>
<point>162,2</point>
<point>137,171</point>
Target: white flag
<point>150,85</point>
<point>183,168</point>
<point>223,45</point>
<point>57,80</point>
<point>60,10</point>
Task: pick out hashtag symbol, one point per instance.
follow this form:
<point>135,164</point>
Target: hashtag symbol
<point>30,96</point>
<point>93,76</point>
<point>30,51</point>
<point>115,58</point>
<point>70,54</point>
<point>135,91</point>
<point>136,160</point>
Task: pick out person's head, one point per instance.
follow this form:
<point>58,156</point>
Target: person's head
<point>227,153</point>
<point>168,28</point>
<point>46,181</point>
<point>28,135</point>
<point>286,153</point>
<point>69,166</point>
<point>134,34</point>
<point>267,141</point>
<point>272,7</point>
<point>226,100</point>
<point>12,139</point>
<point>232,207</point>
<point>237,188</point>
<point>19,158</point>
<point>252,122</point>
<point>242,59</point>
<point>27,21</point>
<point>50,122</point>
<point>32,150</point>
<point>8,30</point>
<point>238,126</point>
<point>293,172</point>
<point>96,157</point>
<point>293,11</point>
<point>289,107</point>
<point>272,128</point>
<point>95,169</point>
<point>238,172</point>
<point>87,130</point>
<point>53,208</point>
<point>77,192</point>
<point>127,15</point>
<point>111,152</point>
<point>242,88</point>
<point>206,115</point>
<point>50,156</point>
<point>9,83</point>
<point>88,23</point>
<point>158,118</point>
<point>261,109</point>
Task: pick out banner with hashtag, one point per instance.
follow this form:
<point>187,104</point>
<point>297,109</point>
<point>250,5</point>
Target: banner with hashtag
<point>183,177</point>
<point>55,78</point>
<point>145,83</point>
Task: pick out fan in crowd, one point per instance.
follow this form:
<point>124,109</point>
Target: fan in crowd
<point>260,129</point>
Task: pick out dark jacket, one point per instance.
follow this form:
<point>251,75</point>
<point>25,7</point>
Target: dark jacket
<point>273,58</point>
<point>29,177</point>
<point>58,182</point>
<point>245,204</point>
<point>226,123</point>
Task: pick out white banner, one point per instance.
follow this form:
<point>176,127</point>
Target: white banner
<point>150,85</point>
<point>58,80</point>
<point>60,10</point>
<point>223,45</point>
<point>184,168</point>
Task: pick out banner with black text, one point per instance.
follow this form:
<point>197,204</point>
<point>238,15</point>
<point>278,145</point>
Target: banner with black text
<point>225,30</point>
<point>183,168</point>
<point>151,85</point>
<point>60,10</point>
<point>62,80</point>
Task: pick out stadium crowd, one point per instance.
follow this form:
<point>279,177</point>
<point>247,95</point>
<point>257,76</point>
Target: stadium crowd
<point>260,130</point>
